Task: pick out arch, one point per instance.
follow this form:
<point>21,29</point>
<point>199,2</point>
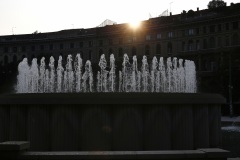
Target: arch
<point>5,60</point>
<point>90,55</point>
<point>33,56</point>
<point>190,45</point>
<point>212,42</point>
<point>235,39</point>
<point>169,48</point>
<point>158,49</point>
<point>120,52</point>
<point>107,55</point>
<point>100,52</point>
<point>14,59</point>
<point>205,44</point>
<point>81,54</point>
<point>23,56</point>
<point>183,46</point>
<point>147,50</point>
<point>134,51</point>
<point>110,51</point>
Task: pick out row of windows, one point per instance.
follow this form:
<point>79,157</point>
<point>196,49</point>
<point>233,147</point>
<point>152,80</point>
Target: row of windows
<point>196,31</point>
<point>61,46</point>
<point>211,29</point>
<point>189,46</point>
<point>133,50</point>
<point>212,42</point>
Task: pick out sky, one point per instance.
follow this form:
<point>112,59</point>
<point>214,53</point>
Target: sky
<point>28,16</point>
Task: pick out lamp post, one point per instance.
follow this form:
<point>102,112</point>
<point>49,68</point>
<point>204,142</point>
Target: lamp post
<point>170,4</point>
<point>13,30</point>
<point>230,87</point>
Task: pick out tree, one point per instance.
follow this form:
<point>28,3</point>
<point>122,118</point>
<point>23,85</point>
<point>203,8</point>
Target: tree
<point>216,4</point>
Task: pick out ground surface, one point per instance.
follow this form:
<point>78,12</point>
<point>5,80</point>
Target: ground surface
<point>231,135</point>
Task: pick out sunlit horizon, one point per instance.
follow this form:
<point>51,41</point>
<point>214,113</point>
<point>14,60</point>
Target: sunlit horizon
<point>28,16</point>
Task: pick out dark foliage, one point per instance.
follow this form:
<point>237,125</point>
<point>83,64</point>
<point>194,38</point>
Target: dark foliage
<point>216,4</point>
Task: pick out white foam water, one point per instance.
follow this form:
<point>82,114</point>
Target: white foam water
<point>170,76</point>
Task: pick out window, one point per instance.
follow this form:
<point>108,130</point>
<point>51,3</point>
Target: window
<point>81,54</point>
<point>134,51</point>
<point>130,39</point>
<point>170,34</point>
<point>219,41</point>
<point>42,47</point>
<point>159,36</point>
<point>158,49</point>
<point>90,55</point>
<point>235,25</point>
<point>33,48</point>
<point>204,29</point>
<point>183,33</point>
<point>14,49</point>
<point>23,48</point>
<point>219,27</point>
<point>134,38</point>
<point>190,45</point>
<point>197,45</point>
<point>120,41</point>
<point>148,37</point>
<point>204,43</point>
<point>14,59</point>
<point>110,51</point>
<point>212,42</point>
<point>61,46</point>
<point>212,29</point>
<point>183,46</point>
<point>51,47</point>
<point>190,32</point>
<point>100,42</point>
<point>147,50</point>
<point>197,31</point>
<point>227,41</point>
<point>110,41</point>
<point>5,60</point>
<point>235,39</point>
<point>81,44</point>
<point>227,26</point>
<point>120,52</point>
<point>100,53</point>
<point>90,43</point>
<point>71,45</point>
<point>169,48</point>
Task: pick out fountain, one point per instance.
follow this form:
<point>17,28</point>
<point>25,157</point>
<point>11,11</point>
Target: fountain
<point>141,109</point>
<point>174,76</point>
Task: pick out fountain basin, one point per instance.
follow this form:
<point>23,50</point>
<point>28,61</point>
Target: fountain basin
<point>112,121</point>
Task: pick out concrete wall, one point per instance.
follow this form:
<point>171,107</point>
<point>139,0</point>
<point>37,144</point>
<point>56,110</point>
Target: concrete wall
<point>104,122</point>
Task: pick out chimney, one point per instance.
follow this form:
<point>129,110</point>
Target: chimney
<point>170,13</point>
<point>197,8</point>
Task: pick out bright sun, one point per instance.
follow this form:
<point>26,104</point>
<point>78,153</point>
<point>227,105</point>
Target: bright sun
<point>135,24</point>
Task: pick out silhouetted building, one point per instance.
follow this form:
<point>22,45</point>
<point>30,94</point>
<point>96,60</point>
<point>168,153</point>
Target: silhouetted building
<point>210,37</point>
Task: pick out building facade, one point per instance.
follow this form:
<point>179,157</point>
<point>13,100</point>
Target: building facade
<point>210,37</point>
